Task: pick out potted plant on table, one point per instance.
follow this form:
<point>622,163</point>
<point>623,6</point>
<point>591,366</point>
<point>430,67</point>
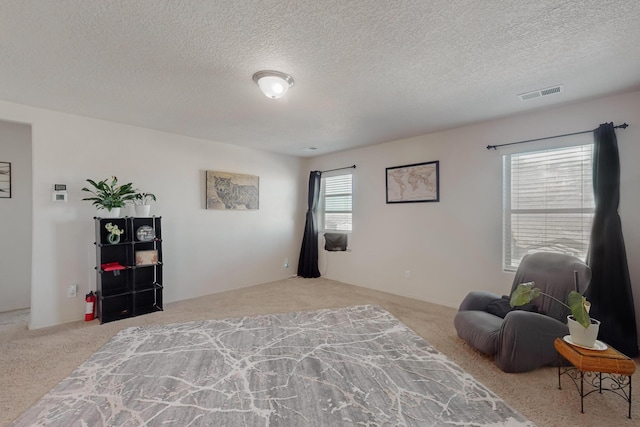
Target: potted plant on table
<point>142,203</point>
<point>582,328</point>
<point>109,196</point>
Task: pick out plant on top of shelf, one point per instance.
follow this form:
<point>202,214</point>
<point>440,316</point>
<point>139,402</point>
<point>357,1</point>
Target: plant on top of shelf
<point>109,195</point>
<point>141,202</point>
<point>143,198</point>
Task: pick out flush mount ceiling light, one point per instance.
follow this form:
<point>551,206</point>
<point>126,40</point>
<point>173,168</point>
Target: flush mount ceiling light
<point>274,84</point>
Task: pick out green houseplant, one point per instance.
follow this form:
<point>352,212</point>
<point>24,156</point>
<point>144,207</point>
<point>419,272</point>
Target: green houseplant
<point>583,330</point>
<point>141,202</point>
<point>579,306</point>
<point>141,199</point>
<point>109,195</point>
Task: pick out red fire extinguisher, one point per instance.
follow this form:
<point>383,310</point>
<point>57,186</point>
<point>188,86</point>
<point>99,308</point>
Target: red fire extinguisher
<point>91,306</point>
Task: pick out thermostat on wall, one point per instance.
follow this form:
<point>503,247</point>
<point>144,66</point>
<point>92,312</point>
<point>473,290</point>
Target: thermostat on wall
<point>59,193</point>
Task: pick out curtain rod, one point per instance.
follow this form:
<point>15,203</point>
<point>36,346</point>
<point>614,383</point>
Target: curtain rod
<point>489,147</point>
<point>339,169</point>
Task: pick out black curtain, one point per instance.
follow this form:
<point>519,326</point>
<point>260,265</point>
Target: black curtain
<point>308,264</point>
<point>610,289</point>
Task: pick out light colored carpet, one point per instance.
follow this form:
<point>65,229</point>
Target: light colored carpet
<point>334,367</point>
<point>33,362</point>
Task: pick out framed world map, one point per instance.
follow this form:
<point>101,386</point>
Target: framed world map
<point>419,182</point>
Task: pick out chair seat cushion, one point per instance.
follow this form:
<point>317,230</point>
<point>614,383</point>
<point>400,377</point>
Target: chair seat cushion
<point>479,329</point>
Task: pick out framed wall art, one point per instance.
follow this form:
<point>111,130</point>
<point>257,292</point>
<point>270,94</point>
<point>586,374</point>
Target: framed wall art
<point>5,180</point>
<point>147,257</point>
<point>419,182</point>
<point>232,191</point>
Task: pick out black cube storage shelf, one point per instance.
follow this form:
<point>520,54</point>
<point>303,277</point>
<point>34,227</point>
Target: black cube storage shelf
<point>135,288</point>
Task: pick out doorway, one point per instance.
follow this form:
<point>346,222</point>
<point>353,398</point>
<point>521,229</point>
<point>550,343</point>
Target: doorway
<point>16,216</point>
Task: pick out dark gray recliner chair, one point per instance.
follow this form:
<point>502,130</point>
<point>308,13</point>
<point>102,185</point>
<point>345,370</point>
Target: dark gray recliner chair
<point>523,340</point>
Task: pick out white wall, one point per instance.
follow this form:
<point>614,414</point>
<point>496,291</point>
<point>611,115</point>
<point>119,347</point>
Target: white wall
<point>454,246</point>
<point>15,218</point>
<point>450,247</point>
<point>205,251</point>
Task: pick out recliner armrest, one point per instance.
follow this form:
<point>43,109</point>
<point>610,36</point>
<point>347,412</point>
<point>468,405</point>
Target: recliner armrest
<point>526,341</point>
<point>477,300</point>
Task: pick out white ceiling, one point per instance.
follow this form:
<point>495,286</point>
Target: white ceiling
<point>365,71</point>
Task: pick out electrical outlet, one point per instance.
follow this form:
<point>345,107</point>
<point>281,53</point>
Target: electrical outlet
<point>407,274</point>
<point>72,291</point>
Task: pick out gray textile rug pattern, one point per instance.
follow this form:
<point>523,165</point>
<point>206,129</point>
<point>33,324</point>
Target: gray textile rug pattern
<point>335,367</point>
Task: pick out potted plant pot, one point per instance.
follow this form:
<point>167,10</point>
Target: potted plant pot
<point>582,336</point>
<point>106,213</point>
<point>142,210</point>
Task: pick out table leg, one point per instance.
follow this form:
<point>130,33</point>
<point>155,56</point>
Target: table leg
<point>629,396</point>
<point>582,392</point>
<point>600,380</point>
<point>559,383</point>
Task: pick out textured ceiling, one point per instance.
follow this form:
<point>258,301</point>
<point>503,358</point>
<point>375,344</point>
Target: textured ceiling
<point>365,71</point>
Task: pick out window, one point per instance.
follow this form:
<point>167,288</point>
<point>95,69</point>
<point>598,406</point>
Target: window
<point>548,202</point>
<point>335,203</point>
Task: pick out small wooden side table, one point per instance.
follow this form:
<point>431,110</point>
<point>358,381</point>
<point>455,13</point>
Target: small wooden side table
<point>589,365</point>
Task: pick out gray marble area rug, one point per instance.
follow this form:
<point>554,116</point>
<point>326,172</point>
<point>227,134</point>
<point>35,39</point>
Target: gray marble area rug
<point>355,366</point>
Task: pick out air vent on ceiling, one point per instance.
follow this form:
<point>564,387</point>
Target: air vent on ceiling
<point>541,92</point>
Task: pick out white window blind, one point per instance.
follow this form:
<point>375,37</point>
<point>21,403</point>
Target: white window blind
<point>548,202</point>
<point>336,203</point>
